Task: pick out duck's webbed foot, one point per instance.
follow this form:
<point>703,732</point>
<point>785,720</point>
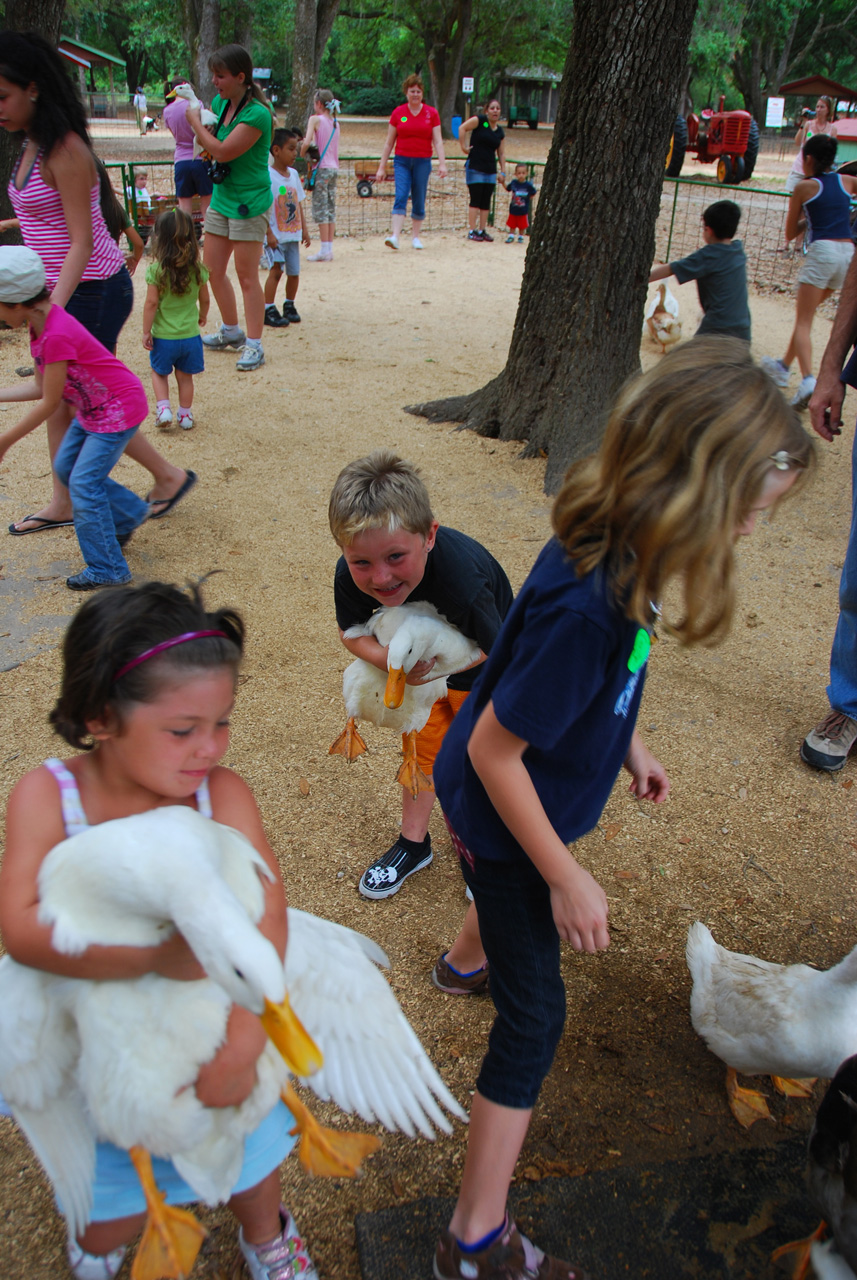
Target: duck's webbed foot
<point>349,743</point>
<point>802,1250</point>
<point>410,774</point>
<point>171,1237</point>
<point>793,1088</point>
<point>746,1105</point>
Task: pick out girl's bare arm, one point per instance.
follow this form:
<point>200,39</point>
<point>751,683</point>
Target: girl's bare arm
<point>578,902</point>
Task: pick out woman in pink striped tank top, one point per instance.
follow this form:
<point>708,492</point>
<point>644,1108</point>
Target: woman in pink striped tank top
<point>55,195</point>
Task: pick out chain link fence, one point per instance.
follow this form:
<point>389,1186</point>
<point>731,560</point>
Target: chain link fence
<point>770,267</point>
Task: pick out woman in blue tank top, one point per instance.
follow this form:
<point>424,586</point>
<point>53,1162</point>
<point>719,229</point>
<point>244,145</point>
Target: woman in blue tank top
<point>823,201</point>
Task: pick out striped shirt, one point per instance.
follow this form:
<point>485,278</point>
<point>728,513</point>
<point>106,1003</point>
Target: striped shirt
<point>39,209</point>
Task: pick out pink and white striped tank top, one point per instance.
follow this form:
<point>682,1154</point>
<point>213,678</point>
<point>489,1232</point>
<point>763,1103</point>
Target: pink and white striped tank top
<point>73,816</point>
<point>39,209</point>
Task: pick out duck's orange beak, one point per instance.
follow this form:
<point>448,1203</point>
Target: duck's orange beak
<point>395,691</point>
<point>300,1052</point>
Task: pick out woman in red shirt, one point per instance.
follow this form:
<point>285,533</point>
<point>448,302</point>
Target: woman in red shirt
<point>414,130</point>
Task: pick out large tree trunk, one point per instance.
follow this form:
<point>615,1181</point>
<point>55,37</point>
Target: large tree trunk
<point>313,24</point>
<point>201,23</point>
<point>45,17</point>
<point>446,30</point>
<point>580,316</point>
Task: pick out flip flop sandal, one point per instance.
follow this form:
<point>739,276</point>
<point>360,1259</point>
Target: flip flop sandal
<point>169,503</point>
<point>40,527</point>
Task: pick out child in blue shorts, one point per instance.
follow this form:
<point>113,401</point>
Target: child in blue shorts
<point>177,302</point>
<point>286,229</point>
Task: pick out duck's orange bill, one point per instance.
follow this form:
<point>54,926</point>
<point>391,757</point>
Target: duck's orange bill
<point>300,1052</point>
<point>395,691</point>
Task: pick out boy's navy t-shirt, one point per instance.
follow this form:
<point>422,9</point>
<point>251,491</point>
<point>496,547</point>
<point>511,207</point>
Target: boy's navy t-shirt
<point>720,272</point>
<point>522,194</point>
<point>566,675</point>
<point>462,580</point>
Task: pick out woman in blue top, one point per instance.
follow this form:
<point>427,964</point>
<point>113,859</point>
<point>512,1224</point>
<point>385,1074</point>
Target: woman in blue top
<point>823,198</point>
<point>237,219</point>
<point>691,453</point>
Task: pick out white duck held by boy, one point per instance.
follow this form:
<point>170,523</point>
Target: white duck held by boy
<point>411,633</point>
<point>790,1022</point>
<point>82,1061</point>
<point>662,318</point>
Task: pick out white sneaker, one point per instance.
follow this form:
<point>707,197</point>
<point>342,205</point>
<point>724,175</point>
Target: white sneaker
<point>250,358</point>
<point>164,416</point>
<point>284,1258</point>
<point>418,244</point>
<point>775,369</point>
<point>89,1266</point>
<point>321,256</point>
<point>803,395</point>
<point>185,420</point>
<point>392,241</point>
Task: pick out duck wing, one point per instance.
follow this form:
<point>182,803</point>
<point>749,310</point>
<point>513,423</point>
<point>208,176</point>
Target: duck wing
<point>38,1054</point>
<point>374,1064</point>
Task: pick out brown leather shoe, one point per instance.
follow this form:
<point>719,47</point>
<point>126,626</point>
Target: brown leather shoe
<point>446,979</point>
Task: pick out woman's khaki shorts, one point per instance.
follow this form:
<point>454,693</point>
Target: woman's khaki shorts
<point>826,263</point>
<point>236,228</point>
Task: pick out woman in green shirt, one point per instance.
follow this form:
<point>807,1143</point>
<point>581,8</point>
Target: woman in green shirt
<point>237,218</point>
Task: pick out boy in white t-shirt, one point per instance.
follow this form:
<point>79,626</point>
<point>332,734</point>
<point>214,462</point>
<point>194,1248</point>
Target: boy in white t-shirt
<point>286,229</point>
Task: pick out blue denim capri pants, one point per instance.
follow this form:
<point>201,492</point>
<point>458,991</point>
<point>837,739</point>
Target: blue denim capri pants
<point>412,175</point>
<point>103,306</point>
<point>522,946</point>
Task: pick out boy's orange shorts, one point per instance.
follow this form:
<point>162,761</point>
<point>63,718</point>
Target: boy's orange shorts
<point>431,736</point>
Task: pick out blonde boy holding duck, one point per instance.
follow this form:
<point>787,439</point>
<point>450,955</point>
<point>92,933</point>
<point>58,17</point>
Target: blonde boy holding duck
<point>393,550</point>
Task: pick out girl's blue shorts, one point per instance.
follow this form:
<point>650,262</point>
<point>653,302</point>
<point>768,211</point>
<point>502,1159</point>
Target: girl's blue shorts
<point>184,354</point>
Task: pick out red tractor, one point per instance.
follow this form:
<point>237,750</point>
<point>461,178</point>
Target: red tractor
<point>729,137</point>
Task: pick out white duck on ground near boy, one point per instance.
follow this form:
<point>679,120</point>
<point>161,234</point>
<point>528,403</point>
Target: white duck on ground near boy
<point>411,633</point>
<point>82,1061</point>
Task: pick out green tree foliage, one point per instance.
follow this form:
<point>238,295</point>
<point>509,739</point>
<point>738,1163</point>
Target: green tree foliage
<point>381,42</point>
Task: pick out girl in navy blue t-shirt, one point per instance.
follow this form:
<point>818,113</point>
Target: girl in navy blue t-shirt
<point>692,452</point>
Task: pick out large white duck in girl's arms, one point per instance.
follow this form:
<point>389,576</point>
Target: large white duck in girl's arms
<point>411,633</point>
<point>82,1061</point>
<point>790,1022</point>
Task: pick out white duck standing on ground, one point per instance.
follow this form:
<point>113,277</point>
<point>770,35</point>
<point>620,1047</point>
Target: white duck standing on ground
<point>790,1022</point>
<point>411,633</point>
<point>82,1061</point>
<point>662,318</point>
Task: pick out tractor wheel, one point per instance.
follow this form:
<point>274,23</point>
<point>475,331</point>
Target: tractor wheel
<point>738,168</point>
<point>724,170</point>
<point>752,152</point>
<point>532,124</point>
<point>677,148</point>
<point>364,188</point>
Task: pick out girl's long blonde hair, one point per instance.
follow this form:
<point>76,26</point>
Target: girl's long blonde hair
<point>684,456</point>
<point>175,248</point>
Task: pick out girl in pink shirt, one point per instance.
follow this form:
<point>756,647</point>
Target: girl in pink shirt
<point>109,404</point>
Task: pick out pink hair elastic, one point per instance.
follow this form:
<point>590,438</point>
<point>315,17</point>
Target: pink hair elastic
<point>164,645</point>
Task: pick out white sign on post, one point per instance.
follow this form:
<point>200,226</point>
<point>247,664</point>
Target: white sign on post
<point>261,73</point>
<point>467,84</point>
<point>774,114</point>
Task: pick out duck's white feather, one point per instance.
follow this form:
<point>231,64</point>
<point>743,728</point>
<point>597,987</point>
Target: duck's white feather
<point>185,91</point>
<point>771,1019</point>
<point>82,1061</point>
